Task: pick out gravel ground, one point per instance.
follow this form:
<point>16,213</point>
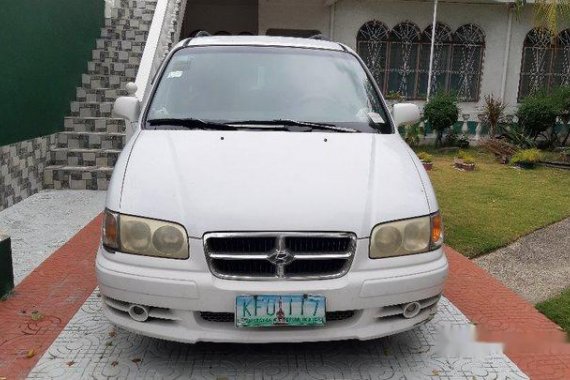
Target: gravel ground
<point>42,223</point>
<point>536,266</point>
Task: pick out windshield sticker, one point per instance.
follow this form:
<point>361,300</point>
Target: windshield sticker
<point>175,74</point>
<point>376,118</point>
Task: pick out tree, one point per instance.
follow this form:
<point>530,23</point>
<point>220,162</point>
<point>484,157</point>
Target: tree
<point>441,112</point>
<point>547,13</point>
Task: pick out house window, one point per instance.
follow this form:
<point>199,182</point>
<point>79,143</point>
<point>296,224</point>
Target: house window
<point>399,59</point>
<point>404,48</point>
<point>441,59</point>
<point>545,62</point>
<point>467,62</point>
<point>372,42</point>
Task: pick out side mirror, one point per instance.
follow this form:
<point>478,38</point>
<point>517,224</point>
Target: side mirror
<point>128,107</point>
<point>405,113</point>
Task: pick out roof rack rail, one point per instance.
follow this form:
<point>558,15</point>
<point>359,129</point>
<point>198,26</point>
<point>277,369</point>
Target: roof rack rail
<point>319,36</point>
<point>202,33</point>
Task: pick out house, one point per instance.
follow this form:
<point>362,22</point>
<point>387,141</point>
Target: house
<point>481,47</point>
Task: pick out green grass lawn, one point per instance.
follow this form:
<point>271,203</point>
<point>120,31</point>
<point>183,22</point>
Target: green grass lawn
<point>558,310</point>
<point>496,204</point>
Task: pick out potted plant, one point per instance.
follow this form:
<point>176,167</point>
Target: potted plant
<point>426,159</point>
<point>441,112</point>
<point>527,159</point>
<point>464,161</point>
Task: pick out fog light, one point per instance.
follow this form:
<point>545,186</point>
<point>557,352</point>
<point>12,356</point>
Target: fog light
<point>412,310</point>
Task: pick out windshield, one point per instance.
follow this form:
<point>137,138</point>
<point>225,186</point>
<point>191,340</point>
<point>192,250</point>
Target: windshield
<point>238,84</point>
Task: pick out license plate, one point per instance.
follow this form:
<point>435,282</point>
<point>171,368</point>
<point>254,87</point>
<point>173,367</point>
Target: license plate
<point>283,310</point>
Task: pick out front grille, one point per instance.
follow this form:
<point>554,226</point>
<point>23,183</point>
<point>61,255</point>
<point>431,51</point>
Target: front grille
<point>241,244</point>
<point>308,244</point>
<point>288,255</point>
<point>332,316</point>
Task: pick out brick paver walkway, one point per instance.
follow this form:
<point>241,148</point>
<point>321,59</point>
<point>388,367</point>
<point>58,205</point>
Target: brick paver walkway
<point>34,329</point>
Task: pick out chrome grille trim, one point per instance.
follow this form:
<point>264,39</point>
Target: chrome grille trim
<point>287,248</point>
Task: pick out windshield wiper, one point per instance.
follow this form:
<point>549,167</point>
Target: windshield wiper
<point>295,123</point>
<point>191,123</point>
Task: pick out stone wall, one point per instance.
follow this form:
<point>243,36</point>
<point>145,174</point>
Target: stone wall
<point>21,169</point>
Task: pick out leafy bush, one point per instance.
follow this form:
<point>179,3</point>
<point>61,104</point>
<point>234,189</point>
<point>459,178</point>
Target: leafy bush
<point>562,97</point>
<point>412,134</point>
<point>537,113</point>
<point>452,139</point>
<point>425,157</point>
<point>527,157</point>
<point>441,112</point>
<point>517,136</point>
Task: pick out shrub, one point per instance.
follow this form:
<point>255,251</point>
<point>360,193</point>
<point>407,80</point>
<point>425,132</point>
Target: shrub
<point>562,98</point>
<point>412,134</point>
<point>518,137</point>
<point>527,157</point>
<point>452,139</point>
<point>441,112</point>
<point>425,157</point>
<point>537,113</point>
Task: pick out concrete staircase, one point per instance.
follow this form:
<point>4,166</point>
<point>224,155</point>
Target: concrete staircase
<point>88,148</point>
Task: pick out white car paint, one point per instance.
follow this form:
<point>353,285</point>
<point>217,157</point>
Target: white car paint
<point>227,181</point>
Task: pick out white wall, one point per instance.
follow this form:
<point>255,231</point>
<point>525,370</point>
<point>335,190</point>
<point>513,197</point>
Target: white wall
<point>350,15</point>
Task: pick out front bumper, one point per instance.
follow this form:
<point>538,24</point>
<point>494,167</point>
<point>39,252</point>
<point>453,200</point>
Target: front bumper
<point>177,293</point>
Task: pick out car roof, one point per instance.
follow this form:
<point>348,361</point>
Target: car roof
<point>309,43</point>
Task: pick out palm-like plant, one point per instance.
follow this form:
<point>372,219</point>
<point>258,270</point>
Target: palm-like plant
<point>548,14</point>
<point>493,113</point>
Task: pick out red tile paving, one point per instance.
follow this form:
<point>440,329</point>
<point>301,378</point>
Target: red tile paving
<point>532,341</point>
<point>59,287</point>
<point>45,301</point>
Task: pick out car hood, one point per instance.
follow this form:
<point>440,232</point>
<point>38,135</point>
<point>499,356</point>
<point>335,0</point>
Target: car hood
<point>272,181</point>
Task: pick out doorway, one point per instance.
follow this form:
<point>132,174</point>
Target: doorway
<point>221,17</point>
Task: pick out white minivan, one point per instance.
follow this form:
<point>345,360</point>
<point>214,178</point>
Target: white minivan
<point>266,196</point>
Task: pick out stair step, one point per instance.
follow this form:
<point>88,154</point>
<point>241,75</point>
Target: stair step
<point>99,94</point>
<point>100,55</point>
<point>84,157</point>
<point>91,109</point>
<point>138,3</point>
<point>127,23</point>
<point>126,35</point>
<point>94,124</point>
<point>77,177</point>
<point>91,140</point>
<point>130,46</point>
<point>113,68</point>
<point>105,81</point>
<point>122,27</point>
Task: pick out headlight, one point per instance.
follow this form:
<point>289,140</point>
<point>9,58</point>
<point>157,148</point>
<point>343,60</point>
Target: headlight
<point>406,237</point>
<point>145,237</point>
